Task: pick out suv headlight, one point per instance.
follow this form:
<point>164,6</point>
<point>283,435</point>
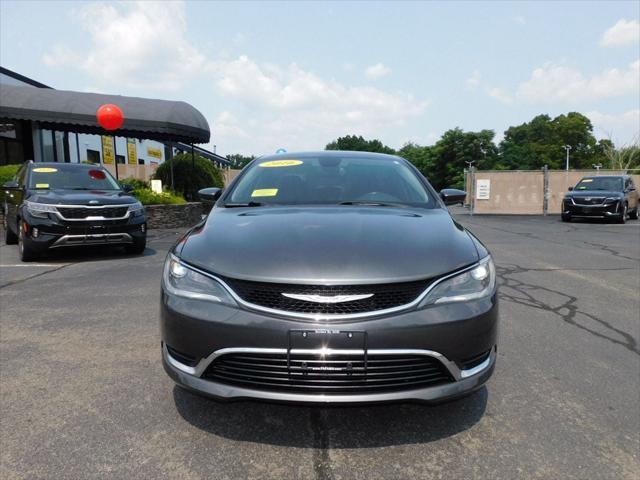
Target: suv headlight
<point>475,283</point>
<point>136,209</point>
<point>611,200</point>
<point>183,281</point>
<point>39,210</point>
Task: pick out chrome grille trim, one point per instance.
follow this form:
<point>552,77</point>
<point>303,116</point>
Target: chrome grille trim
<point>97,208</point>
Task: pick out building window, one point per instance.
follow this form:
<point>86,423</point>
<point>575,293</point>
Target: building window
<point>141,161</point>
<point>120,159</point>
<point>93,156</point>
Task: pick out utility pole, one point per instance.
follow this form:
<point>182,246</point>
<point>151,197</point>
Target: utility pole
<point>471,185</point>
<point>597,166</point>
<point>568,149</point>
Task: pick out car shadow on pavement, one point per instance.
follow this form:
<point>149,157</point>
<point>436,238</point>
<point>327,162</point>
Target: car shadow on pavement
<point>334,427</point>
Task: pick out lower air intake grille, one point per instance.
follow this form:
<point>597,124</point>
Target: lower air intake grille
<point>336,373</point>
<point>382,296</point>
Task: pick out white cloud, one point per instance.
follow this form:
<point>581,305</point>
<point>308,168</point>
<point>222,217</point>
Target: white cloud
<point>552,83</point>
<point>297,109</point>
<point>377,71</point>
<point>141,45</point>
<point>624,32</point>
<point>474,80</point>
<point>616,126</point>
<point>500,95</point>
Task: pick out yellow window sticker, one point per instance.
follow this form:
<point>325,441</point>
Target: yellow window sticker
<point>587,180</point>
<point>281,163</point>
<point>42,185</point>
<point>45,170</point>
<point>265,192</point>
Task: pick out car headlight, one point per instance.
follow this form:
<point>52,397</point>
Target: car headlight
<point>136,209</point>
<point>611,200</point>
<point>475,283</point>
<point>39,210</point>
<point>183,281</point>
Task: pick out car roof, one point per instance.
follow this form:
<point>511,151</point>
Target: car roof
<point>605,176</point>
<point>329,154</point>
<point>58,164</point>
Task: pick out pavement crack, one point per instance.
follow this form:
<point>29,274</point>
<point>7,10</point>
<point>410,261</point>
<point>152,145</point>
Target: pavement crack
<point>22,280</point>
<point>321,459</point>
<point>608,249</point>
<point>568,311</point>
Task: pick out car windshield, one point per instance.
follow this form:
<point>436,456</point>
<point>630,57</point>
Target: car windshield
<point>72,177</point>
<point>600,183</point>
<point>329,180</point>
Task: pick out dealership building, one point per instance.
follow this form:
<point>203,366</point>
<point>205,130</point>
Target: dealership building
<point>54,126</point>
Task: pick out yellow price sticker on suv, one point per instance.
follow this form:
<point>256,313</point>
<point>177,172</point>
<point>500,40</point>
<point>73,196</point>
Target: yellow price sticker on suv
<point>281,163</point>
<point>45,170</point>
<point>265,192</point>
<point>42,185</point>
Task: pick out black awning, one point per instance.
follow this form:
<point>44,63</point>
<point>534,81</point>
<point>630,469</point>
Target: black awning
<point>161,120</point>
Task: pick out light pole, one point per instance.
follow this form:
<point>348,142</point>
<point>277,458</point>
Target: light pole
<point>567,148</point>
<point>597,166</point>
<point>471,186</point>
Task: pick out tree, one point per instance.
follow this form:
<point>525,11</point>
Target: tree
<point>541,142</point>
<point>239,161</point>
<point>627,157</point>
<point>358,143</point>
<point>189,176</point>
<point>421,157</point>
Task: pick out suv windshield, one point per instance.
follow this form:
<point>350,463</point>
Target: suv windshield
<point>329,180</point>
<point>72,177</point>
<point>600,183</point>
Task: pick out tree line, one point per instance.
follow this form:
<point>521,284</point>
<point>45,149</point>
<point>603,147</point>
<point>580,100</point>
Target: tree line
<point>529,146</point>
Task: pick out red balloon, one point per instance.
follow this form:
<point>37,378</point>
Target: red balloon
<point>110,117</point>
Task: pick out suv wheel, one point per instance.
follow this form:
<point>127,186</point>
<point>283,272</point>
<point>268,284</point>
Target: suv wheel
<point>566,218</point>
<point>27,254</point>
<point>623,217</point>
<point>634,215</point>
<point>10,238</point>
<point>137,247</point>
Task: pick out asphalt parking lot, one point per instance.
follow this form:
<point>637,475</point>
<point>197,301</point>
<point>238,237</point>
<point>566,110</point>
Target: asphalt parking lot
<point>83,393</point>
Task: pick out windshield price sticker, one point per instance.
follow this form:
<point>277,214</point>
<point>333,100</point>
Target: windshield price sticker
<point>45,170</point>
<point>265,192</point>
<point>281,163</point>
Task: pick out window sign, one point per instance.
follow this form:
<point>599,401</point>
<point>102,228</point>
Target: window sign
<point>483,189</point>
<point>108,156</point>
<point>131,151</point>
<point>154,152</point>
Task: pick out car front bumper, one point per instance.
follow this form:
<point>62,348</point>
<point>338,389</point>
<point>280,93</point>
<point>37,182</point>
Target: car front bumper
<point>609,210</point>
<point>449,333</point>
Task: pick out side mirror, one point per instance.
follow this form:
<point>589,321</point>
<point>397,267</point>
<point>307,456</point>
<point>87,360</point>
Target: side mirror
<point>452,196</point>
<point>11,185</point>
<point>210,194</point>
<point>126,188</point>
<point>570,188</point>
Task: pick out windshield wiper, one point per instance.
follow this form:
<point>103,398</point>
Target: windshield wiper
<point>248,204</point>
<point>371,203</point>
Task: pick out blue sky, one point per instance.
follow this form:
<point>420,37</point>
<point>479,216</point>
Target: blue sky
<point>297,75</point>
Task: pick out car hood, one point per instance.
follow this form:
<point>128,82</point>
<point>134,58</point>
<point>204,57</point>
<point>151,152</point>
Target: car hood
<point>593,193</point>
<point>81,197</point>
<point>330,245</point>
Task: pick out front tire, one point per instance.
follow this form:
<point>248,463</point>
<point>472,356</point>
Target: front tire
<point>10,238</point>
<point>137,247</point>
<point>566,218</point>
<point>634,215</point>
<point>27,253</point>
<point>623,217</point>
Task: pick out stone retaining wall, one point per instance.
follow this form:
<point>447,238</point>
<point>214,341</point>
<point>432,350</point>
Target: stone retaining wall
<point>173,216</point>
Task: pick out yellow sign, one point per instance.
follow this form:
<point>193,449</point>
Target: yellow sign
<point>132,153</point>
<point>42,185</point>
<point>154,152</point>
<point>265,192</point>
<point>281,163</point>
<point>45,170</point>
<point>108,155</point>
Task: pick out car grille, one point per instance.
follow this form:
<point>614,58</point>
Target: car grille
<point>588,200</point>
<point>384,296</point>
<point>336,373</point>
<point>82,212</point>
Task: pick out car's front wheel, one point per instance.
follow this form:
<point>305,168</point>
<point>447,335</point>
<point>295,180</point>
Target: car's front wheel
<point>566,218</point>
<point>137,247</point>
<point>623,216</point>
<point>27,253</point>
<point>10,238</point>
<point>634,215</point>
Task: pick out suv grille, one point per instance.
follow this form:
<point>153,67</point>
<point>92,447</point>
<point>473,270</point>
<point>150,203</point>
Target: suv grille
<point>384,296</point>
<point>590,201</point>
<point>337,373</point>
<point>83,212</point>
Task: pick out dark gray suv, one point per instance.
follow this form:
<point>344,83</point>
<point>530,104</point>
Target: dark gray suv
<point>330,277</point>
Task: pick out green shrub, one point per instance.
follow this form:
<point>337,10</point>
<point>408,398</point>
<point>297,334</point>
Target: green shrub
<point>149,197</point>
<point>189,177</point>
<point>7,172</point>
<point>135,183</point>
